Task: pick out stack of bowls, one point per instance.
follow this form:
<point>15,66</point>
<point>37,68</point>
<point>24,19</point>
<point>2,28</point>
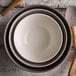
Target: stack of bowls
<point>37,38</point>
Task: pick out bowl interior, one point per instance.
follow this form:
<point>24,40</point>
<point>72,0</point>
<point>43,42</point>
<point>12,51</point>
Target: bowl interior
<point>38,37</point>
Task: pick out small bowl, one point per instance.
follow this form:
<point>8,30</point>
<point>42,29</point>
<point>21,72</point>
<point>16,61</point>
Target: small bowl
<point>30,38</point>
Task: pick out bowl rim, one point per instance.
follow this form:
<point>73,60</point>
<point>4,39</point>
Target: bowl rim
<point>50,66</point>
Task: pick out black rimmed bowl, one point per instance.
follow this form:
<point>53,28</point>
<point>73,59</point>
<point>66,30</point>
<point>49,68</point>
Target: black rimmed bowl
<point>38,61</point>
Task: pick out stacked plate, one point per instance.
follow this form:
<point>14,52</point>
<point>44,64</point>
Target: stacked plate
<point>37,38</point>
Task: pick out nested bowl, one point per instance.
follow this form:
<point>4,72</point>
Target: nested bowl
<point>37,38</point>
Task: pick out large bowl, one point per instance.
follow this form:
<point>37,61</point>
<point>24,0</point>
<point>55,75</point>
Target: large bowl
<point>41,65</point>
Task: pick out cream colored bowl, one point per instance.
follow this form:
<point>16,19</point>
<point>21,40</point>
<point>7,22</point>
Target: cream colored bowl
<point>38,38</point>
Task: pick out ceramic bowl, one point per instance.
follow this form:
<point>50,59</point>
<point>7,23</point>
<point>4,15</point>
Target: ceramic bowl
<point>37,38</point>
